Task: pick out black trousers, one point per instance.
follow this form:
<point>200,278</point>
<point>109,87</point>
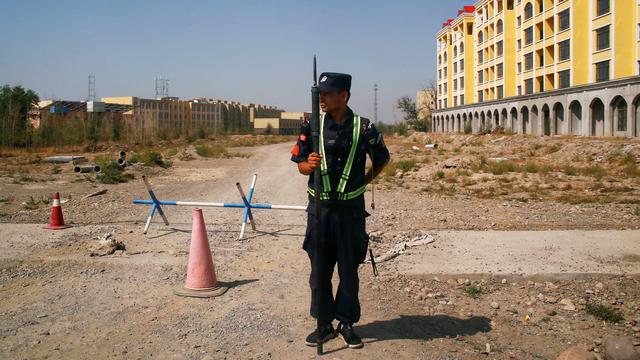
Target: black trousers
<point>343,240</point>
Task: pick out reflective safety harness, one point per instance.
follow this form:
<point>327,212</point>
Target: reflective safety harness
<point>324,171</point>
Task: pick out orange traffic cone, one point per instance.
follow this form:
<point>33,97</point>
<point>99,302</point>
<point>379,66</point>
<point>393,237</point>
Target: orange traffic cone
<point>56,222</point>
<point>201,275</point>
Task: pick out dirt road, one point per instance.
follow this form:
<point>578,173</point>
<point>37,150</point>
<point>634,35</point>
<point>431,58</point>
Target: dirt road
<point>58,302</point>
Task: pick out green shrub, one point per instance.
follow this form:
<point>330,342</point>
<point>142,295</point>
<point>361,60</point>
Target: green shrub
<point>212,151</point>
<point>604,312</point>
<point>570,170</point>
<point>474,291</point>
<point>596,171</point>
<point>531,168</point>
<point>438,175</point>
<point>112,173</point>
<point>501,167</point>
<point>406,165</point>
<point>149,158</point>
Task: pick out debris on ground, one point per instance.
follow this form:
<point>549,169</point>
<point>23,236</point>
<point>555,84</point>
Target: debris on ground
<point>107,245</point>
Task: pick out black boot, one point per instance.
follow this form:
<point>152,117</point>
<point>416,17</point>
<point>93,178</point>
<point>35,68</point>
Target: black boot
<point>327,333</point>
<point>349,336</point>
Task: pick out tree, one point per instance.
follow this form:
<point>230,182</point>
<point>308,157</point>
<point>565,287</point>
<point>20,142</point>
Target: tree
<point>408,107</point>
<point>15,103</point>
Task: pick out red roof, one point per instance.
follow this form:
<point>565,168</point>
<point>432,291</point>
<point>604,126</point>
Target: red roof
<point>469,9</point>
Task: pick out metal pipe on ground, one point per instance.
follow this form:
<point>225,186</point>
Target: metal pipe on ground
<point>122,162</point>
<point>122,154</point>
<point>87,169</point>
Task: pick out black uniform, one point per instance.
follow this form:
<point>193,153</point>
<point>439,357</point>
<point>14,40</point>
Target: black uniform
<point>342,230</point>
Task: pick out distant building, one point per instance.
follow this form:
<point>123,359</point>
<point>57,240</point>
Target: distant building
<point>288,123</point>
<point>425,103</point>
<point>202,113</point>
<point>61,109</point>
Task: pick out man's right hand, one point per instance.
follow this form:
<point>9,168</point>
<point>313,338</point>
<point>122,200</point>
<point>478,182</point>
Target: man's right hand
<point>309,166</point>
<point>314,160</point>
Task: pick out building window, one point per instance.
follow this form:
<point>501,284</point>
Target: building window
<point>528,36</point>
<point>602,71</point>
<point>480,98</point>
<point>499,27</point>
<point>440,74</point>
<point>564,50</point>
<point>461,100</point>
<point>519,90</point>
<point>455,68</point>
<point>528,61</point>
<point>499,46</point>
<point>461,83</point>
<point>461,49</point>
<point>500,92</point>
<point>519,21</point>
<point>461,64</point>
<point>540,58</point>
<point>528,11</point>
<point>519,67</point>
<point>602,38</point>
<point>519,44</point>
<point>528,86</point>
<point>500,70</point>
<point>564,79</point>
<point>603,7</point>
<point>564,21</point>
<point>480,37</point>
<point>480,77</point>
<point>455,84</point>
<point>480,57</point>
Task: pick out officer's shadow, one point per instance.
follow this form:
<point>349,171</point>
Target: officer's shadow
<point>422,327</point>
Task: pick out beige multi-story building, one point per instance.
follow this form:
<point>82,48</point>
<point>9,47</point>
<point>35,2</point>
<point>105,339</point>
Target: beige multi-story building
<point>182,115</point>
<point>288,123</point>
<point>524,64</point>
<point>425,103</point>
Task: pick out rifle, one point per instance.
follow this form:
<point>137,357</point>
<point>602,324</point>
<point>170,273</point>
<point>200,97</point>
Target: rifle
<point>318,256</point>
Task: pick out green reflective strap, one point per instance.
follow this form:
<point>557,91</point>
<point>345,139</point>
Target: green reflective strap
<point>352,152</point>
<point>324,171</point>
<point>353,194</point>
<point>344,196</point>
<point>323,195</point>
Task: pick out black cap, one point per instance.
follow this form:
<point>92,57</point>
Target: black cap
<point>334,82</point>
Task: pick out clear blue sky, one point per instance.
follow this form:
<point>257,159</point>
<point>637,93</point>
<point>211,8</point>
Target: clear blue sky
<point>251,51</point>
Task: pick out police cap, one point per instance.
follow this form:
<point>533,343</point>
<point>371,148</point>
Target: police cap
<point>334,82</point>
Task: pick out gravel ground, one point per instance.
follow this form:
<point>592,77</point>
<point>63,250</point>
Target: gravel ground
<point>57,301</point>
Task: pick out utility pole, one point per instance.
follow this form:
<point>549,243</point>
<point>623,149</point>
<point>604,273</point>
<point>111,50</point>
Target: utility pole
<point>375,103</point>
<point>91,96</point>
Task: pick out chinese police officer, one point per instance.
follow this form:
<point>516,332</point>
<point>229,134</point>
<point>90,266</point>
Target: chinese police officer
<point>345,141</point>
